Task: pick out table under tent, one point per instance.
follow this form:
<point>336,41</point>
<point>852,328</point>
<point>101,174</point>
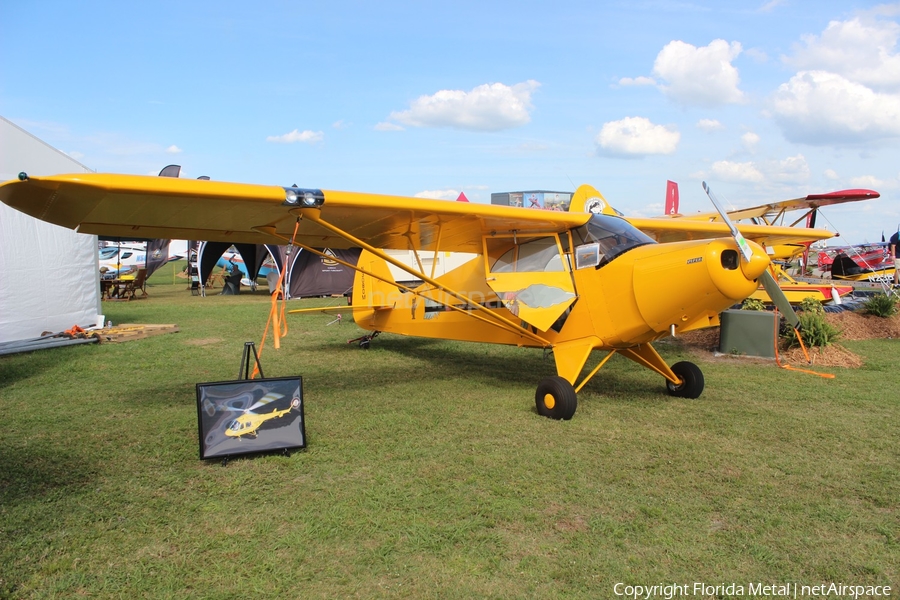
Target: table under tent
<point>308,275</point>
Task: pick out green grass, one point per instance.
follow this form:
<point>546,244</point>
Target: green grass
<point>428,473</point>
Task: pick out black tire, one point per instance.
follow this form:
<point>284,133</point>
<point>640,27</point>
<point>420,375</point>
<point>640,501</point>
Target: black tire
<point>555,398</point>
<point>691,380</point>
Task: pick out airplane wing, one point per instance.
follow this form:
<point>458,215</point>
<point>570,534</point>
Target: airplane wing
<point>137,206</point>
<point>773,210</point>
<point>665,229</point>
<point>131,206</point>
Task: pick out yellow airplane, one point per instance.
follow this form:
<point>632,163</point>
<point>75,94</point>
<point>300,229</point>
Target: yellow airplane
<point>249,422</point>
<point>570,282</point>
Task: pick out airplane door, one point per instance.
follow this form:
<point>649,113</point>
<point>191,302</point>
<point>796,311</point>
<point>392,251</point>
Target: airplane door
<point>531,276</point>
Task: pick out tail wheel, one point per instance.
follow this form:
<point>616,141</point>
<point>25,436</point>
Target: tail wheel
<point>555,398</point>
<point>691,376</point>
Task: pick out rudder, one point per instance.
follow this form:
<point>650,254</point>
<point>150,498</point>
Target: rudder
<point>373,284</point>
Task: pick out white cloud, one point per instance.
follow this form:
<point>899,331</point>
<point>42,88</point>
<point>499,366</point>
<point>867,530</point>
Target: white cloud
<point>884,10</point>
<point>831,174</point>
<point>488,107</point>
<point>818,107</point>
<point>173,149</point>
<point>728,171</point>
<point>307,136</point>
<point>710,125</point>
<point>867,181</point>
<point>439,194</point>
<point>847,88</point>
<point>340,124</point>
<point>750,140</point>
<point>630,81</point>
<point>862,52</point>
<point>700,76</point>
<point>634,136</point>
<point>791,170</point>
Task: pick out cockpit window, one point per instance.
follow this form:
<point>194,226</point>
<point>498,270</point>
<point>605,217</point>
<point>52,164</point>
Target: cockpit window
<point>612,235</point>
<point>538,255</point>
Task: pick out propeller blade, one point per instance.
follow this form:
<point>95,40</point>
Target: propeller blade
<point>772,288</point>
<point>777,295</point>
<point>743,246</point>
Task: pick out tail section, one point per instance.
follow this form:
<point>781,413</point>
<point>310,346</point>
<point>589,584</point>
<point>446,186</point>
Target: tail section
<point>671,198</point>
<point>587,199</point>
<point>373,285</point>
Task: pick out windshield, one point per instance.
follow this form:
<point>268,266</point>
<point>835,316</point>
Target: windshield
<point>613,235</point>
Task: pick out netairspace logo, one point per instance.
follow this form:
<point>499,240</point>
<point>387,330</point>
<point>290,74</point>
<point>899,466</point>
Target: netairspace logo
<point>668,591</point>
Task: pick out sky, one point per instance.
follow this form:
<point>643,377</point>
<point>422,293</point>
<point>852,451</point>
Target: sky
<point>765,100</point>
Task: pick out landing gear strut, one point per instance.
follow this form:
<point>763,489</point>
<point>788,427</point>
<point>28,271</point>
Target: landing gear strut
<point>366,340</point>
<point>555,398</point>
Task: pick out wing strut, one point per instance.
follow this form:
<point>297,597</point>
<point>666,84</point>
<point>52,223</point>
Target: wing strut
<point>495,320</point>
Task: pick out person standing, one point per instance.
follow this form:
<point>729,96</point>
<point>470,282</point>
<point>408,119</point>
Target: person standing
<point>895,253</point>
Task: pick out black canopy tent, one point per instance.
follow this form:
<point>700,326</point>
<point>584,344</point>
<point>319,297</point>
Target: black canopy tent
<point>311,275</point>
<point>308,274</point>
<point>253,256</point>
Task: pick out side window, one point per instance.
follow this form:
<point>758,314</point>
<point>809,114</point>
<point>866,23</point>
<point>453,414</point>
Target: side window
<point>534,255</point>
<point>587,255</point>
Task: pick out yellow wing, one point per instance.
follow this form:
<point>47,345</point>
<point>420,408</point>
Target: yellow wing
<point>667,229</point>
<point>135,206</point>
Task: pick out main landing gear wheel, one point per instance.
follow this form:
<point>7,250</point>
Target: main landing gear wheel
<point>691,380</point>
<point>555,398</point>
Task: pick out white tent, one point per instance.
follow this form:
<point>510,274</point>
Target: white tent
<point>49,277</point>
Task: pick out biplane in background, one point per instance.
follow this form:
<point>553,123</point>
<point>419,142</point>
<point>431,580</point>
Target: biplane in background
<point>570,282</point>
<point>865,262</point>
<point>782,255</point>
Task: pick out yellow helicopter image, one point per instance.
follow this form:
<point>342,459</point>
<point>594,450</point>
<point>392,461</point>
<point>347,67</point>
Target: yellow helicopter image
<point>565,282</point>
<point>249,422</point>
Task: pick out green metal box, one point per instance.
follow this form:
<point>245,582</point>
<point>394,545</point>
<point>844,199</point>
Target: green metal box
<point>747,333</point>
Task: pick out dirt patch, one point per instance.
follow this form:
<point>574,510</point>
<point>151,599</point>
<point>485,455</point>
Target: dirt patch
<point>857,326</point>
<point>834,355</point>
<point>854,326</point>
<point>702,339</point>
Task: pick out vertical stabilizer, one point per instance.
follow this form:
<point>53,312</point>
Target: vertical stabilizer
<point>671,198</point>
<point>587,199</point>
<point>373,284</point>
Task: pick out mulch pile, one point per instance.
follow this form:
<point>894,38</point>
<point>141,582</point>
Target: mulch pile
<point>853,326</point>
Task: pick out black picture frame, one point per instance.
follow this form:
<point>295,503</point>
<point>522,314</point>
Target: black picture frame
<point>249,416</point>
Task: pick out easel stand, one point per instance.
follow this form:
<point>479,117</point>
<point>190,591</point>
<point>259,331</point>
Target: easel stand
<point>244,371</point>
<point>249,350</point>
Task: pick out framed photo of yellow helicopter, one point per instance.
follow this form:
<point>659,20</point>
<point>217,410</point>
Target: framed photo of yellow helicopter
<point>250,416</point>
